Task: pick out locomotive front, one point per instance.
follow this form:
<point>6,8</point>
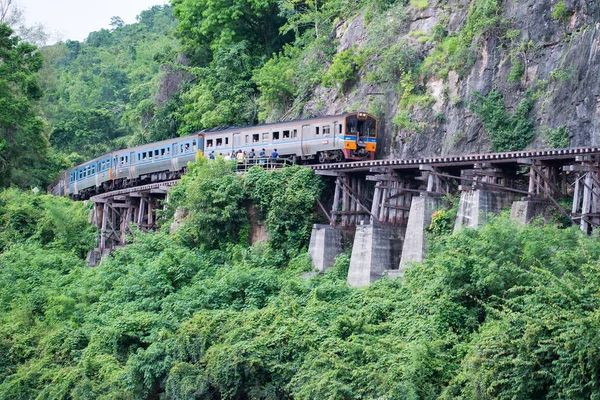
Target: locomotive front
<point>360,137</point>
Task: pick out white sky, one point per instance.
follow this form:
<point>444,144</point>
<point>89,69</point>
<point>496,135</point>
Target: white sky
<point>75,19</point>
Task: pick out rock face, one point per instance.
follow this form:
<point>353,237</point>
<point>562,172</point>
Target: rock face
<point>557,56</point>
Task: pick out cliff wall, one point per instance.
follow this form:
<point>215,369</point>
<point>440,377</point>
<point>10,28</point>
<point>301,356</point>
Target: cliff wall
<point>424,65</point>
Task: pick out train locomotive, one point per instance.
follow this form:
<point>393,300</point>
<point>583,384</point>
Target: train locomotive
<point>350,136</point>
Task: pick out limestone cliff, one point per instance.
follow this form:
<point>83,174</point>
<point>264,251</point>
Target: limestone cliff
<point>546,50</point>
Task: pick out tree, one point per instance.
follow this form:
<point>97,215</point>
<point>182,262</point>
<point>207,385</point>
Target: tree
<point>116,22</point>
<point>221,23</point>
<point>21,130</point>
<point>12,15</point>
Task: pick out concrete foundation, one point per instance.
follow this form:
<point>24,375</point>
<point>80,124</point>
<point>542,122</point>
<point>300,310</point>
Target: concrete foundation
<point>525,211</point>
<point>325,245</point>
<point>419,219</point>
<point>475,205</point>
<point>376,249</point>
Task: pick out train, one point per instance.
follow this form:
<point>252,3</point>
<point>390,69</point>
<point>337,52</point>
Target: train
<point>335,138</point>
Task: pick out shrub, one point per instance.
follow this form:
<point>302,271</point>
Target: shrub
<point>508,132</point>
<point>343,69</point>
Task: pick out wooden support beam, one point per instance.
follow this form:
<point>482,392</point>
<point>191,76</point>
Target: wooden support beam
<point>547,182</point>
<point>324,211</point>
<point>493,185</point>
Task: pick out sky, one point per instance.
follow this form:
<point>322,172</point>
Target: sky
<point>75,19</point>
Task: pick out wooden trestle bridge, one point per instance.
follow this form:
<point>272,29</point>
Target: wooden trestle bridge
<point>381,191</point>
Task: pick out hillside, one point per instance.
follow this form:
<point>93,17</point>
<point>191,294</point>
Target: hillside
<point>506,311</point>
<point>443,77</point>
<point>196,311</point>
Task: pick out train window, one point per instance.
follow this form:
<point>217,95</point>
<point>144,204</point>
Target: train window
<point>226,141</point>
<point>255,138</point>
<point>209,143</point>
<point>72,177</point>
<point>122,160</point>
<point>219,142</point>
<point>156,153</point>
<point>316,130</point>
<point>144,156</point>
<point>193,145</point>
<point>266,137</point>
<point>93,170</point>
<point>247,139</point>
<point>295,133</point>
<point>340,128</point>
<point>326,130</point>
<point>275,135</point>
<point>163,152</point>
<point>286,134</point>
<point>168,151</point>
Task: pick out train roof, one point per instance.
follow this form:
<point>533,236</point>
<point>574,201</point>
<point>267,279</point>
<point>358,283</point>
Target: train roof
<point>225,128</point>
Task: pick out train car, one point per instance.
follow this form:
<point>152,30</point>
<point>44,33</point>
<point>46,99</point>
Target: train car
<point>138,165</point>
<point>351,136</point>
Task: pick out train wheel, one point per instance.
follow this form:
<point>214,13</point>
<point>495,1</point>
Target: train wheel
<point>322,158</point>
<point>339,156</point>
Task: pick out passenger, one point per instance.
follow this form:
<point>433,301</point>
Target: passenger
<point>227,157</point>
<point>262,156</point>
<point>240,157</point>
<point>251,156</point>
<point>274,155</point>
<point>211,156</point>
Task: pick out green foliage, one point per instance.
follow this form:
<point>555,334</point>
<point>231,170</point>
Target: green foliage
<point>213,196</point>
<point>560,12</point>
<point>161,319</point>
<point>516,71</point>
<point>287,199</point>
<point>46,220</point>
<point>23,145</point>
<point>394,61</point>
<point>276,82</point>
<point>343,69</point>
<point>442,220</point>
<point>458,52</point>
<point>419,4</point>
<point>557,138</point>
<point>508,132</point>
<point>101,93</point>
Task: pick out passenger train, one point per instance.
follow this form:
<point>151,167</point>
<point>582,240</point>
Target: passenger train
<point>351,136</point>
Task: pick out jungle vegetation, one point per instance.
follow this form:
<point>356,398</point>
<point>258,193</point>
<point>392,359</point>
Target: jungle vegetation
<point>502,312</point>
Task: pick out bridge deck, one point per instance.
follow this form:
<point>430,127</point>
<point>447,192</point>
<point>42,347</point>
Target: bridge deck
<point>459,160</point>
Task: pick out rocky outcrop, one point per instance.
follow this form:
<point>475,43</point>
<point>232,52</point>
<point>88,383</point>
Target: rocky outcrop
<point>559,56</point>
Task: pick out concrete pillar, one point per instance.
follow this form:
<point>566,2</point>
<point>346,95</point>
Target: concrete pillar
<point>526,210</point>
<point>419,219</point>
<point>376,249</point>
<point>325,245</point>
<point>475,205</point>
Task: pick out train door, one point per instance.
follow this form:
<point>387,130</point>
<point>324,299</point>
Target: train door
<point>237,141</point>
<point>131,164</point>
<point>305,139</point>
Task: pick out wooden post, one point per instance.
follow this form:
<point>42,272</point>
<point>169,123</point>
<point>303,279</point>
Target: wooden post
<point>531,189</point>
<point>103,229</point>
<point>587,200</point>
<point>376,201</point>
<point>576,196</point>
<point>345,201</point>
<point>336,202</point>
